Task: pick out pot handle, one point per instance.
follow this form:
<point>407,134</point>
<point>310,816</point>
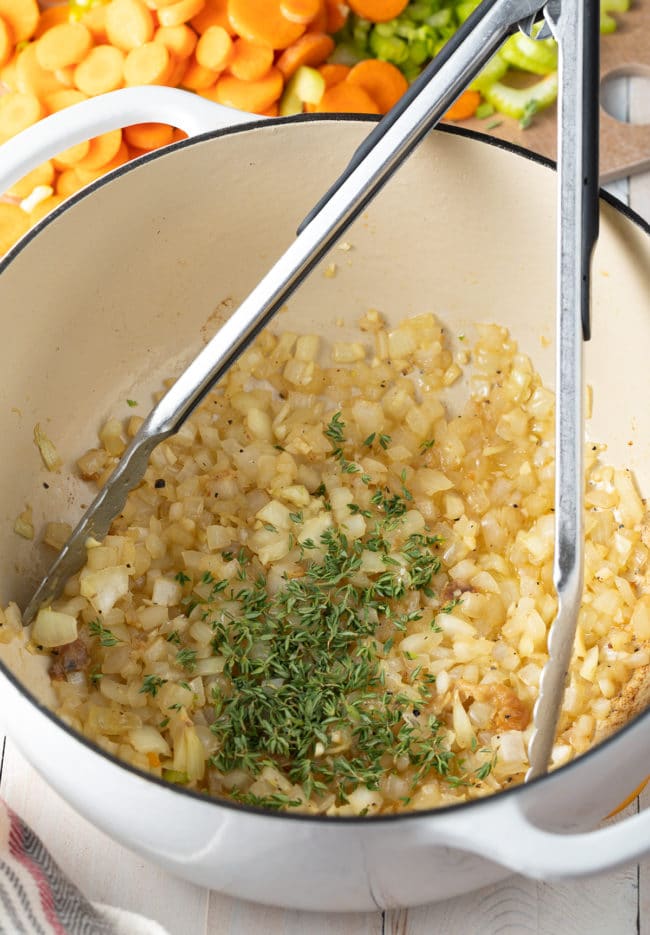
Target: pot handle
<point>112,111</point>
<point>512,829</point>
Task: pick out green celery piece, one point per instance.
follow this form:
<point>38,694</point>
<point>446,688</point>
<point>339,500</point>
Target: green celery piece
<point>306,86</point>
<point>516,102</point>
<point>484,110</point>
<point>615,6</point>
<point>465,9</point>
<point>174,775</point>
<point>389,48</point>
<point>538,56</point>
<point>493,71</point>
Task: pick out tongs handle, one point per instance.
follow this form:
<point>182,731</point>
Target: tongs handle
<point>575,24</point>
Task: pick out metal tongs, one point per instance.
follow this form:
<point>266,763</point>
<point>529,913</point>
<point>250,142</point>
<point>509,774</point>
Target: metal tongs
<point>575,25</point>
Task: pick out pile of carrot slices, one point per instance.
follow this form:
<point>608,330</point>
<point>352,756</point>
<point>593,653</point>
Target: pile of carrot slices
<point>240,53</point>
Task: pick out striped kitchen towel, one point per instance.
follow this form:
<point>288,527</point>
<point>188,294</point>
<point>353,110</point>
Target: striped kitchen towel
<point>36,898</point>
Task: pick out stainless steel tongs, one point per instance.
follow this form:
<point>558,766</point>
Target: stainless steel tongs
<point>575,24</point>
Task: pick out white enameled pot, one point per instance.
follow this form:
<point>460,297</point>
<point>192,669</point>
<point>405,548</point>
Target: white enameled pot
<point>123,284</point>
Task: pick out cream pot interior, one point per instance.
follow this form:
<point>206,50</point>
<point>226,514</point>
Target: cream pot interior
<point>130,279</point>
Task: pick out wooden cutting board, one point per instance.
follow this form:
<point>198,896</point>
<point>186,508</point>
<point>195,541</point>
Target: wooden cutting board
<point>624,147</point>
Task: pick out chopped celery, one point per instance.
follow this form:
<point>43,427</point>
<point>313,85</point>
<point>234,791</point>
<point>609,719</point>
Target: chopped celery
<point>465,10</point>
<point>484,110</point>
<point>518,102</point>
<point>538,56</point>
<point>493,71</point>
<point>306,86</point>
<point>175,775</point>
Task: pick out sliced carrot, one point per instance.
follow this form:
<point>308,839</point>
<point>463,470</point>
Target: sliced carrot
<point>179,40</point>
<point>300,11</point>
<point>250,60</point>
<point>347,98</point>
<point>17,112</point>
<point>70,157</point>
<point>94,19</point>
<point>9,74</point>
<point>62,99</point>
<point>151,63</point>
<point>382,81</point>
<point>129,24</point>
<point>464,107</point>
<point>14,222</point>
<point>253,96</point>
<point>319,22</point>
<point>214,49</point>
<point>337,14</point>
<point>44,207</point>
<point>378,11</point>
<point>148,135</point>
<point>334,74</point>
<point>49,17</point>
<point>102,150</point>
<point>22,16</point>
<point>41,175</point>
<point>64,45</point>
<point>180,12</point>
<point>120,157</point>
<point>272,111</point>
<point>262,21</point>
<point>214,13</point>
<point>65,76</point>
<point>6,42</point>
<point>31,78</point>
<point>179,135</point>
<point>311,49</point>
<point>198,78</point>
<point>177,73</point>
<point>68,183</point>
<point>101,71</point>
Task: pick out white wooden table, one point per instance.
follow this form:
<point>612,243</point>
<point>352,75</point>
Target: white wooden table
<point>616,904</point>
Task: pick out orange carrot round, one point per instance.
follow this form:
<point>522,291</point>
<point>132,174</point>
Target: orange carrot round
<point>378,11</point>
<point>262,21</point>
<point>17,112</point>
<point>179,40</point>
<point>51,16</point>
<point>250,60</point>
<point>337,14</point>
<point>319,22</point>
<point>120,157</point>
<point>14,222</point>
<point>70,157</point>
<point>9,74</point>
<point>129,24</point>
<point>148,64</point>
<point>68,183</point>
<point>63,45</point>
<point>101,71</point>
<point>6,42</point>
<point>382,81</point>
<point>253,96</point>
<point>102,149</point>
<point>334,73</point>
<point>346,98</point>
<point>311,49</point>
<point>180,12</point>
<point>214,49</point>
<point>44,207</point>
<point>148,135</point>
<point>214,13</point>
<point>94,19</point>
<point>41,175</point>
<point>464,107</point>
<point>66,97</point>
<point>300,11</point>
<point>31,78</point>
<point>22,16</point>
<point>198,78</point>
